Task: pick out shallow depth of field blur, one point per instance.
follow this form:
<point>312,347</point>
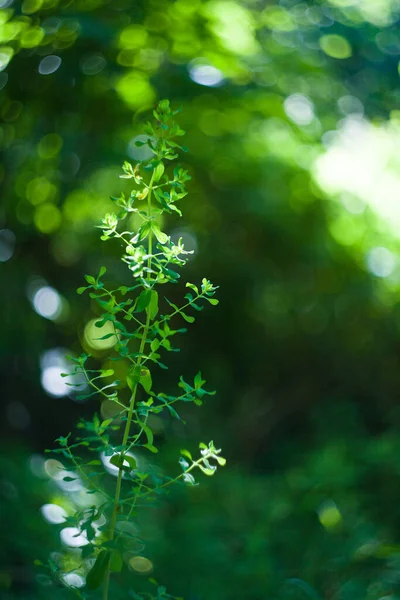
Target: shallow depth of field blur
<point>292,110</point>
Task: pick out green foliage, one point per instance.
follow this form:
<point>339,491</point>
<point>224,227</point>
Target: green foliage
<point>141,319</point>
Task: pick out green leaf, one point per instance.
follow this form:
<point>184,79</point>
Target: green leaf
<point>116,562</point>
<point>192,287</point>
<point>80,290</point>
<point>119,460</point>
<point>143,300</point>
<point>107,372</point>
<point>198,381</point>
<point>160,235</point>
<point>187,318</point>
<point>158,172</point>
<point>133,377</point>
<point>96,574</point>
<point>206,470</point>
<point>152,308</point>
<point>145,379</point>
<point>101,272</point>
<point>150,447</point>
<point>69,479</point>
<point>148,432</point>
<point>104,425</point>
<point>131,460</point>
<point>90,279</point>
<point>213,301</point>
<point>106,336</point>
<point>144,230</point>
<point>186,453</point>
<point>155,344</point>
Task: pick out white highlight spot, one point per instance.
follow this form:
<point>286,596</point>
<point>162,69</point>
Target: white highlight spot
<point>381,262</point>
<point>73,580</point>
<point>53,362</point>
<point>53,513</point>
<point>49,64</point>
<point>72,537</point>
<point>53,383</point>
<point>362,161</point>
<point>47,303</point>
<point>205,74</point>
<point>299,109</point>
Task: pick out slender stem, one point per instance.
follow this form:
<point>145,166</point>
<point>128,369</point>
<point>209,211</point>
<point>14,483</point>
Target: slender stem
<point>131,407</point>
<point>171,481</point>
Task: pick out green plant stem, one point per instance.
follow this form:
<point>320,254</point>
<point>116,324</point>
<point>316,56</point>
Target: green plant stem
<point>170,481</point>
<point>131,408</point>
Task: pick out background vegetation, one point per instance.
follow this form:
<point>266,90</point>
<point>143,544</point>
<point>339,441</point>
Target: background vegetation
<point>292,113</point>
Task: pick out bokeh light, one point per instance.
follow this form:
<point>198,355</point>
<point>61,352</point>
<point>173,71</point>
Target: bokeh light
<point>49,65</point>
<point>140,564</point>
<point>93,335</point>
<point>73,537</point>
<point>53,513</point>
<point>7,244</point>
<point>47,303</point>
<point>299,109</point>
<point>381,262</point>
<point>73,579</point>
<point>205,74</point>
<point>53,364</point>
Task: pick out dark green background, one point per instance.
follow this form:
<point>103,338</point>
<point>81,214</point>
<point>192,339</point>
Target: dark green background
<point>303,348</point>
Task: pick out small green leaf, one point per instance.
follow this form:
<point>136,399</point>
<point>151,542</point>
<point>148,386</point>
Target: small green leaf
<point>143,300</point>
<point>145,379</point>
<point>96,574</point>
<point>160,235</point>
<point>187,318</point>
<point>90,279</point>
<point>80,290</point>
<point>207,471</point>
<point>186,453</point>
<point>101,272</point>
<point>158,172</point>
<point>131,461</point>
<point>155,344</point>
<point>213,301</point>
<point>107,372</point>
<point>152,308</point>
<point>149,434</point>
<point>193,287</point>
<point>120,460</point>
<point>198,381</point>
<point>144,230</point>
<point>104,425</point>
<point>150,447</point>
<point>133,377</point>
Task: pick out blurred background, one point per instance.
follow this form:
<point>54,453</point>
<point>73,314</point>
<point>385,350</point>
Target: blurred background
<point>292,110</point>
